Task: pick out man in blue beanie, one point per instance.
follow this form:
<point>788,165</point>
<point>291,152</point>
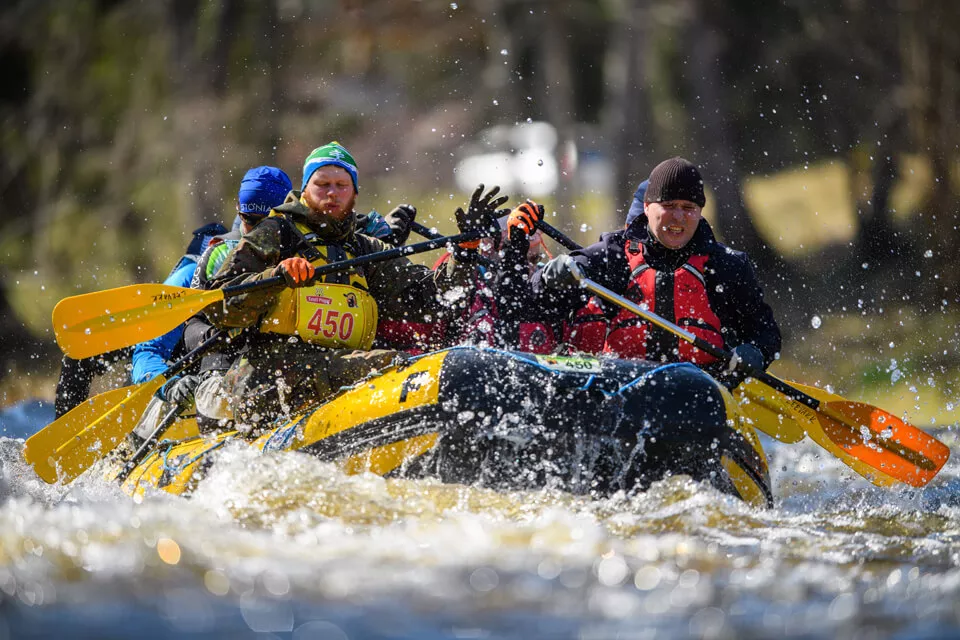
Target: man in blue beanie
<point>261,189</point>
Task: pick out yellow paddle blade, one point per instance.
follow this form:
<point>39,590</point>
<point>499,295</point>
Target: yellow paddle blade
<point>889,447</point>
<point>101,436</point>
<point>41,445</point>
<point>769,411</point>
<point>95,323</point>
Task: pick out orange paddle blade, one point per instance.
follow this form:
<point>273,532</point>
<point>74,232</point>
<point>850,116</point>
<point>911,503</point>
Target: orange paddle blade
<point>883,441</point>
<point>95,323</point>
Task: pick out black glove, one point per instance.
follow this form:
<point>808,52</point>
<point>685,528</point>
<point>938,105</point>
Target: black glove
<point>399,221</point>
<point>481,215</point>
<point>179,390</point>
<point>745,359</point>
<point>559,273</point>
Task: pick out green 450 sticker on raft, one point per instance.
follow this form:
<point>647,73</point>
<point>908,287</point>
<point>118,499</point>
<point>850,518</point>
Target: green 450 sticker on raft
<point>570,363</point>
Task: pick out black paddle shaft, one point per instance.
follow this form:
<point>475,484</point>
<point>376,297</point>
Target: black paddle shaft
<point>558,235</point>
<point>188,360</point>
<point>147,445</point>
<point>344,265</point>
<point>553,232</point>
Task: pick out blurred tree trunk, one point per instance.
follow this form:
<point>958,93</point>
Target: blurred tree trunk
<point>496,73</point>
<point>558,108</point>
<point>627,124</point>
<point>932,54</point>
<point>268,50</point>
<point>200,55</point>
<point>717,143</point>
<point>876,234</point>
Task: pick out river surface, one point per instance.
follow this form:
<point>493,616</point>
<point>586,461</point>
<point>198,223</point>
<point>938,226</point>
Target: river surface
<point>283,546</point>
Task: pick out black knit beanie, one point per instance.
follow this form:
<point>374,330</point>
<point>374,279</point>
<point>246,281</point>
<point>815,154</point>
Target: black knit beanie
<point>675,179</point>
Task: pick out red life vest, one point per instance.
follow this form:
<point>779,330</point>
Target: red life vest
<point>413,337</point>
<point>536,337</point>
<point>587,330</point>
<point>680,297</point>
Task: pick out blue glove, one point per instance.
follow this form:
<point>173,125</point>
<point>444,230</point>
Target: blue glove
<point>559,273</point>
<point>374,225</point>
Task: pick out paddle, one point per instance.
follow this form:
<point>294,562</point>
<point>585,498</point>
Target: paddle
<point>94,323</point>
<point>558,235</point>
<point>886,448</point>
<point>144,450</point>
<point>69,445</point>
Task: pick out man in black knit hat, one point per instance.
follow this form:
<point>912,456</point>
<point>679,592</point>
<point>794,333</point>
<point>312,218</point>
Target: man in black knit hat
<point>668,259</point>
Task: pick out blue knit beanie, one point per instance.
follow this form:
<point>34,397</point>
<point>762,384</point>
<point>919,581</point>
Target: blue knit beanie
<point>262,189</point>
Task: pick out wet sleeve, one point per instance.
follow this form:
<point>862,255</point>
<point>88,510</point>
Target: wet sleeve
<point>603,262</point>
<point>403,289</point>
<point>741,307</point>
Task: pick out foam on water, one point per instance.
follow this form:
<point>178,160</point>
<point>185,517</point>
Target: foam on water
<point>277,542</point>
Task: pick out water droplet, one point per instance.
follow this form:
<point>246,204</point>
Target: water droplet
<point>928,253</point>
<point>454,6</point>
<point>504,52</point>
<point>815,322</point>
<point>540,162</point>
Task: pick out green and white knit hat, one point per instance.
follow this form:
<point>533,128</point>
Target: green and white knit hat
<point>332,153</point>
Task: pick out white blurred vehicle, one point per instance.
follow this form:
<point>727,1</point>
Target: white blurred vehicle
<point>523,159</point>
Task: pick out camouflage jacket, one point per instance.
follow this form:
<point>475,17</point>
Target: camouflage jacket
<point>402,289</point>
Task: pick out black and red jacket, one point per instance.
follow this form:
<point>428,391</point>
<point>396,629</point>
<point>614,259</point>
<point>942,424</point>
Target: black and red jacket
<point>481,322</point>
<point>727,304</point>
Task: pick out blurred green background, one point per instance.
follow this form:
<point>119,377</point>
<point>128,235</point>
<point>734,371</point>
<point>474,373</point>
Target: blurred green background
<point>827,131</point>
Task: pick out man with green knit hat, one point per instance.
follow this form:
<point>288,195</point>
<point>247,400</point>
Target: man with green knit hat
<point>394,228</point>
<point>304,342</point>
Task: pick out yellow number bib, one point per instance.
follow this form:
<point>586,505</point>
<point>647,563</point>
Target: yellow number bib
<point>330,315</point>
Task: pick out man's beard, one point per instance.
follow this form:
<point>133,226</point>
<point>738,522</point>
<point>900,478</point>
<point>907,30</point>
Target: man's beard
<point>319,215</point>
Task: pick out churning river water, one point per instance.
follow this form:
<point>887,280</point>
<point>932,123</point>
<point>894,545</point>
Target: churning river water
<point>283,546</point>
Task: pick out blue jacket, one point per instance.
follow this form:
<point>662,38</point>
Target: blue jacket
<point>151,357</point>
